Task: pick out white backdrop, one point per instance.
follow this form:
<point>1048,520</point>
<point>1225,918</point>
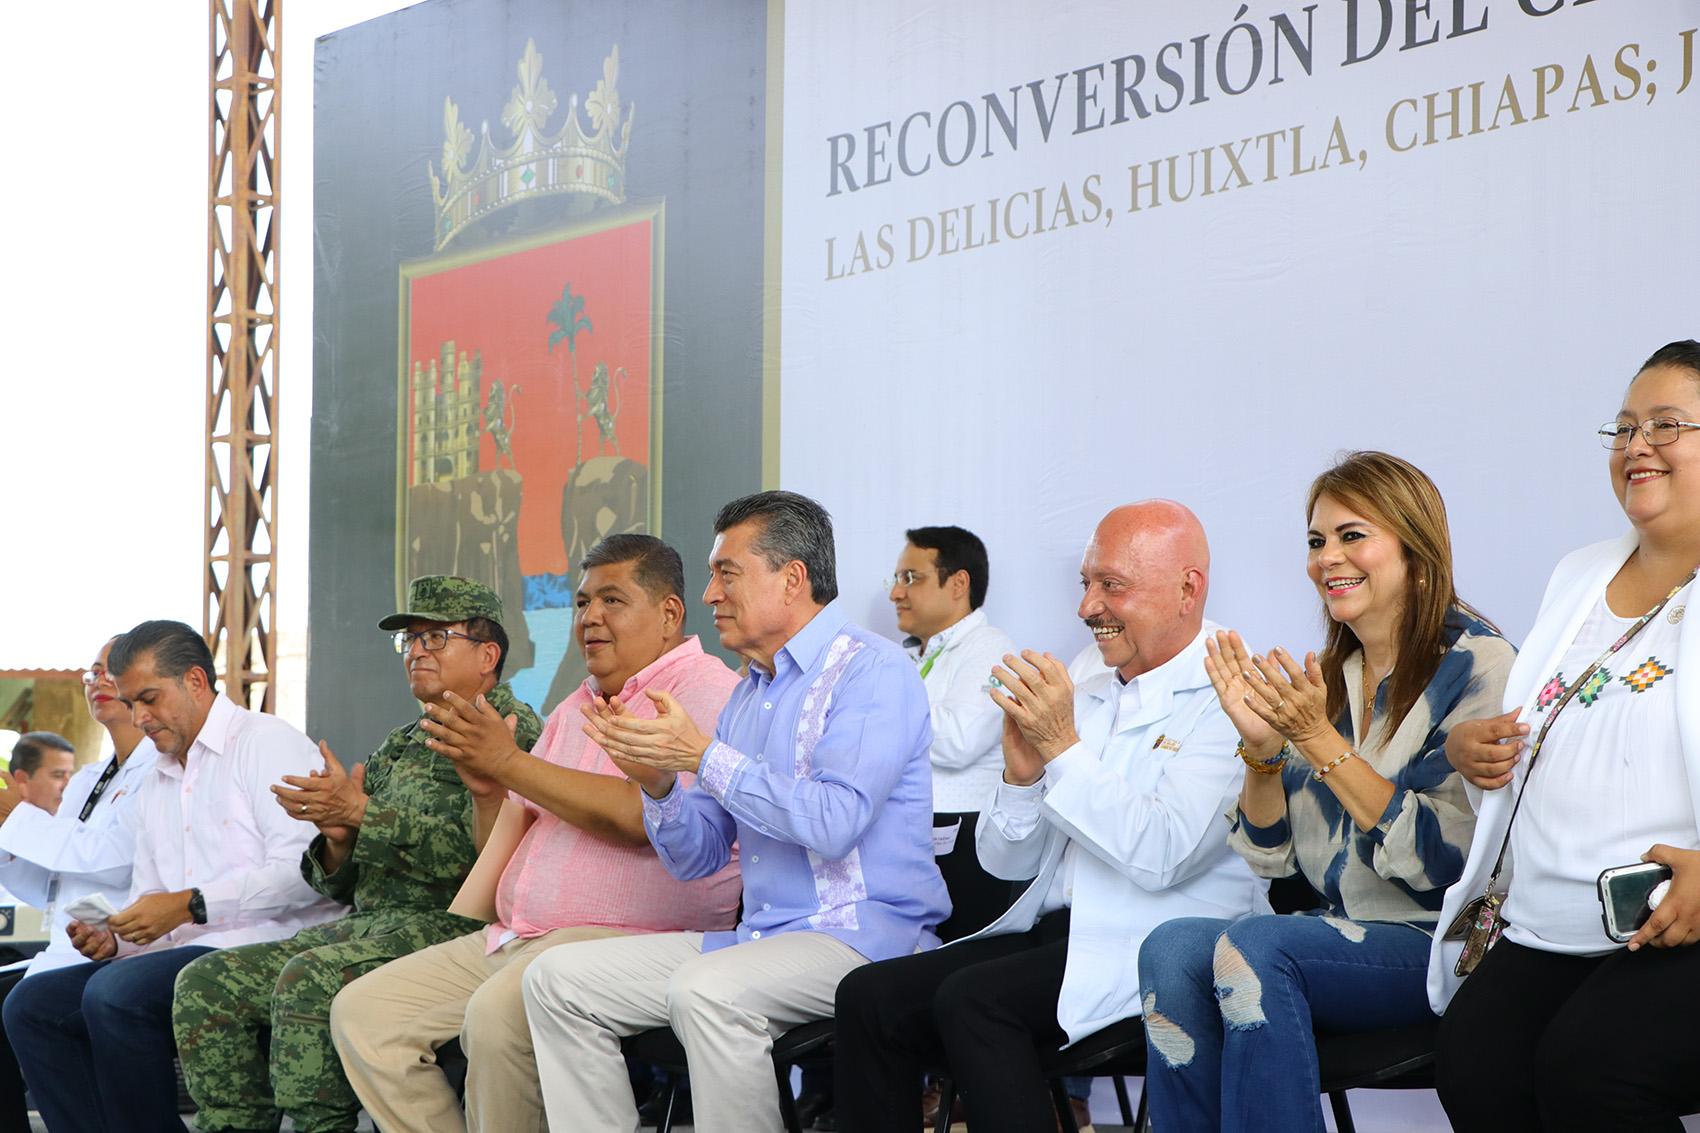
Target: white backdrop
<point>1476,305</point>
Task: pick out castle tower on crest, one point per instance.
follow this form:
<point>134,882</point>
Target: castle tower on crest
<point>445,430</point>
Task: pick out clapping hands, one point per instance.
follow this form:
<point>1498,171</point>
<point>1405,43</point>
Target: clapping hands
<point>1037,697</point>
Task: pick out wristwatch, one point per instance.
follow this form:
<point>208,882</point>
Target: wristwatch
<point>197,907</point>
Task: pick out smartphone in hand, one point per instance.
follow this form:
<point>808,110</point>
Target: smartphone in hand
<point>1624,891</point>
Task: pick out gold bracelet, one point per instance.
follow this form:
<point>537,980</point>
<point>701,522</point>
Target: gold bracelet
<point>1332,764</point>
<point>1271,766</point>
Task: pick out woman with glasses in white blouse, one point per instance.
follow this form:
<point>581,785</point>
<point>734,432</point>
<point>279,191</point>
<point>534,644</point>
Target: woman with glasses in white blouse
<point>1596,765</point>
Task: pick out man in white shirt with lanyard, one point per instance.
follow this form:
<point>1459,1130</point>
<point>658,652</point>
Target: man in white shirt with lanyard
<point>939,590</point>
<point>83,848</point>
<point>217,863</point>
<point>51,861</point>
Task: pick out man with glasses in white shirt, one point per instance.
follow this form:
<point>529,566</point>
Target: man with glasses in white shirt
<point>938,591</point>
<point>217,863</point>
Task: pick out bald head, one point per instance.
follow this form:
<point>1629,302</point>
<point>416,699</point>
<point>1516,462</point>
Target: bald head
<point>1160,533</point>
<point>1145,577</point>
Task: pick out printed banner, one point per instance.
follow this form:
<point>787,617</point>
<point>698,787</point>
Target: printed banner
<point>531,408</point>
<point>1044,259</point>
<point>506,191</point>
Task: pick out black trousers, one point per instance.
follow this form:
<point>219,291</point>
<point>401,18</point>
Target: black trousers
<point>1541,1041</point>
<point>14,1116</point>
<point>984,1009</point>
<point>976,897</point>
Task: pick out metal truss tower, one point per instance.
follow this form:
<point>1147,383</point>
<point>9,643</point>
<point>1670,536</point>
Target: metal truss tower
<point>243,170</point>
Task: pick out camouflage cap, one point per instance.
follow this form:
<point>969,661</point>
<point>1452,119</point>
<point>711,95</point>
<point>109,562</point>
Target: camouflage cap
<point>446,598</point>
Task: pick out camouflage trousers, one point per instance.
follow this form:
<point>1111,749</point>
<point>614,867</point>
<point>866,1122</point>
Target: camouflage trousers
<point>228,1002</point>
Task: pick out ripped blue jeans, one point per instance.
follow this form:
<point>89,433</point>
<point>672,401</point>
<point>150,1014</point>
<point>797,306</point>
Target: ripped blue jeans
<point>1231,1007</point>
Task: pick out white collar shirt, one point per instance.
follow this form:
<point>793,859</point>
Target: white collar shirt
<point>967,751</point>
<point>1121,701</point>
<point>1124,827</point>
<point>52,860</point>
<point>211,823</point>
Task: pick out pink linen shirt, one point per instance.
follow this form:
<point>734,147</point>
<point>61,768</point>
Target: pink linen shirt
<point>211,823</point>
<point>560,876</point>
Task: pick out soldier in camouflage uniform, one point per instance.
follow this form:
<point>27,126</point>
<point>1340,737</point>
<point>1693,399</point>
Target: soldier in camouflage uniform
<point>395,842</point>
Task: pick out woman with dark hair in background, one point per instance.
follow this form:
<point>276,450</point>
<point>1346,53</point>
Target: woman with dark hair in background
<point>1346,785</point>
<point>1562,1026</point>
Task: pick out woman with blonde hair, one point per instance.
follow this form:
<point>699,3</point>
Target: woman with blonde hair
<point>1346,785</point>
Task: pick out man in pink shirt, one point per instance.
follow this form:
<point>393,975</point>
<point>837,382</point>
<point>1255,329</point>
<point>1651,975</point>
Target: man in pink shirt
<point>563,828</point>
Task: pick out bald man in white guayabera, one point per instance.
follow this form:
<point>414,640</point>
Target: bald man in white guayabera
<point>1110,802</point>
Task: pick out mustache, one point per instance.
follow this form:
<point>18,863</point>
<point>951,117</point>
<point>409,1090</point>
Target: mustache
<point>1102,623</point>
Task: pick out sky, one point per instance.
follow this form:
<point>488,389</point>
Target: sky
<point>104,387</point>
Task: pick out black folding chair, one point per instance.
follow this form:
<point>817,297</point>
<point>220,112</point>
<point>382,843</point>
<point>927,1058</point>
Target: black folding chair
<point>807,1045</point>
<point>1398,1058</point>
<point>1117,1051</point>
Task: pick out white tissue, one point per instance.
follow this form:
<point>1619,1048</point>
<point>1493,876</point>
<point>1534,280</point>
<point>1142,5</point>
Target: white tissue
<point>1658,894</point>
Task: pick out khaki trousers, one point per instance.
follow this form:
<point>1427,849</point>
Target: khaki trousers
<point>726,1006</point>
<point>388,1024</point>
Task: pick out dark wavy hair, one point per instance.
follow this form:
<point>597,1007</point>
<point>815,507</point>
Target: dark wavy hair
<point>175,649</point>
<point>794,528</point>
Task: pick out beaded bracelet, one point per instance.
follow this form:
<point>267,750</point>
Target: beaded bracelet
<point>1332,764</point>
<point>1270,766</point>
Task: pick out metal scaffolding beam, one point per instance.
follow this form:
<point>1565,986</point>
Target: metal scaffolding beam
<point>243,170</point>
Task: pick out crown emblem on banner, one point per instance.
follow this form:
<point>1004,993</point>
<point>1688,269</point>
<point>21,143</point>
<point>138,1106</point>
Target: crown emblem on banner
<point>536,163</point>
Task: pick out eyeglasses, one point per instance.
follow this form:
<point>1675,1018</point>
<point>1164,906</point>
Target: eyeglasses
<point>1658,431</point>
<point>905,578</point>
<point>432,639</point>
<point>94,676</point>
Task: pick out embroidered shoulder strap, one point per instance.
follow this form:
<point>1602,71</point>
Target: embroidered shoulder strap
<point>811,720</point>
<point>1576,686</point>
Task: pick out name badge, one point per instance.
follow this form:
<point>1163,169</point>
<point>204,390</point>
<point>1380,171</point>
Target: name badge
<point>1164,743</point>
<point>944,838</point>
